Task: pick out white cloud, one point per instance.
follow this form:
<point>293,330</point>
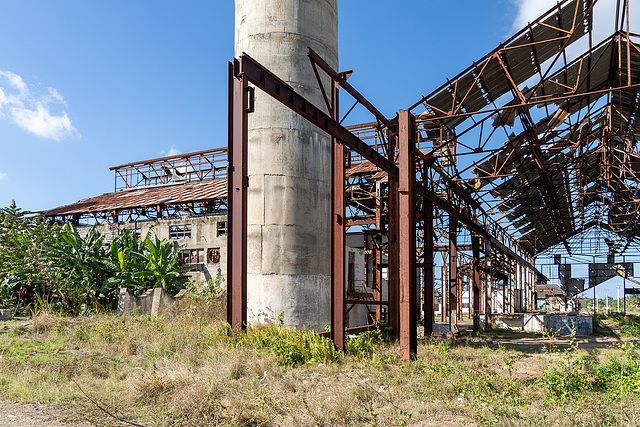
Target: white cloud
<point>173,151</point>
<point>603,15</point>
<point>3,176</point>
<point>529,10</point>
<point>33,108</point>
<point>604,18</point>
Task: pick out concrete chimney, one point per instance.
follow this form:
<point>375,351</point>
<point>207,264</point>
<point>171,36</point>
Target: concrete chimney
<point>289,164</point>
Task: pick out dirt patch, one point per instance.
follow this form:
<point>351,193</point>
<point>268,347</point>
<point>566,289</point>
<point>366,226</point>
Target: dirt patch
<point>14,414</point>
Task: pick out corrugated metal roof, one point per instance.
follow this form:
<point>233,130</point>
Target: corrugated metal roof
<point>141,197</point>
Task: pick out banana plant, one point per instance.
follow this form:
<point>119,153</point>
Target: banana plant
<point>124,259</point>
<point>163,269</point>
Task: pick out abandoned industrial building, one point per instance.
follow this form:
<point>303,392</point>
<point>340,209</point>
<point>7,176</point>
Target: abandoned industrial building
<point>510,188</point>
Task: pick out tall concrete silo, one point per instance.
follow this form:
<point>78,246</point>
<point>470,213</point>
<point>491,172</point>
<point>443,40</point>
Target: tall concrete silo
<point>289,164</point>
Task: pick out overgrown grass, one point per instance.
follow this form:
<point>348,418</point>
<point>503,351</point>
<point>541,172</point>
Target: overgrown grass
<point>629,324</point>
<point>190,370</point>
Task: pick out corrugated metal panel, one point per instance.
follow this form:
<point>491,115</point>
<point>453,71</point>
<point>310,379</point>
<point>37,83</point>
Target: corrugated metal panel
<point>146,197</point>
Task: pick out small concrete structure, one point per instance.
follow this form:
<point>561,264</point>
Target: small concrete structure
<point>559,324</point>
<point>6,314</point>
<point>289,164</point>
<point>154,301</point>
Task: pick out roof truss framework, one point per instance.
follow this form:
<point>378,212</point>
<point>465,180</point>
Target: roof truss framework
<point>571,129</point>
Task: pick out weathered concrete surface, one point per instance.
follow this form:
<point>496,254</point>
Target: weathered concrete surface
<point>289,164</point>
<point>154,301</point>
<point>6,314</point>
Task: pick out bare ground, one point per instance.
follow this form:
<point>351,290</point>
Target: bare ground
<point>14,414</point>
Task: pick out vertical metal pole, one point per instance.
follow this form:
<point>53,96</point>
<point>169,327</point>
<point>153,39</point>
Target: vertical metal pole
<point>475,251</point>
<point>428,268</point>
<point>444,289</point>
<point>378,250</point>
<point>453,270</point>
<point>504,293</point>
<point>407,235</point>
<point>393,261</point>
<point>338,229</point>
<point>487,284</point>
<point>469,288</point>
<point>237,181</point>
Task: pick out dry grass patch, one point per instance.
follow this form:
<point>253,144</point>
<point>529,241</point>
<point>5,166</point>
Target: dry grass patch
<point>187,370</point>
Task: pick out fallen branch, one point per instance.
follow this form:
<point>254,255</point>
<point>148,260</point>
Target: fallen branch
<point>122,420</point>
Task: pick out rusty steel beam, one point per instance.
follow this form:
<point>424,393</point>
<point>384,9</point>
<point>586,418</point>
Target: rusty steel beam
<point>338,203</point>
<point>428,270</point>
<point>393,249</point>
<point>475,243</point>
<point>340,78</point>
<point>469,222</point>
<point>407,234</point>
<point>265,80</point>
<point>453,269</point>
<point>378,251</point>
<point>239,93</point>
<point>488,284</point>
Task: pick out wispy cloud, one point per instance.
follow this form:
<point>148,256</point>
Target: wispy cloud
<point>529,10</point>
<point>3,176</point>
<point>604,17</point>
<point>173,151</point>
<point>35,109</point>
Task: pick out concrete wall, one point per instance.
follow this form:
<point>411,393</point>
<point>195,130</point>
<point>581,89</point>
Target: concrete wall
<point>289,164</point>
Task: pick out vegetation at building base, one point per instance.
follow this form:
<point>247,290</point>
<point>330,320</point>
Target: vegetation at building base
<point>44,264</point>
<point>189,369</point>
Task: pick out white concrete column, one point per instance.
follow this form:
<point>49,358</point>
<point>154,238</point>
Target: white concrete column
<point>289,164</point>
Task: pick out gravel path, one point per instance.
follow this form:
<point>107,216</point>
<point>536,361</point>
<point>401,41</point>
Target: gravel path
<point>14,414</point>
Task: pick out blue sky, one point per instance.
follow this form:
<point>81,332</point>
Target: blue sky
<point>93,84</point>
<point>85,85</point>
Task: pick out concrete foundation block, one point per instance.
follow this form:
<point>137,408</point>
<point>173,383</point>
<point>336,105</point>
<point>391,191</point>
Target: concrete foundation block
<point>6,314</point>
<point>154,301</point>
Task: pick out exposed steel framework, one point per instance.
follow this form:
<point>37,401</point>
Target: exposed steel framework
<point>458,194</point>
<point>441,171</point>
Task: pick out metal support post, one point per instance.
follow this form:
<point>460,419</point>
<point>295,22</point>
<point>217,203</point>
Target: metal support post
<point>427,212</point>
<point>337,230</point>
<point>487,284</point>
<point>475,249</point>
<point>239,107</point>
<point>407,235</point>
<point>453,270</point>
<point>393,261</point>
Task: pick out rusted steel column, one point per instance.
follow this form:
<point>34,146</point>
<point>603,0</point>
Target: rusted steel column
<point>407,234</point>
<point>444,310</point>
<point>393,261</point>
<point>337,231</point>
<point>237,182</point>
<point>378,250</point>
<point>427,289</point>
<point>488,287</point>
<point>453,270</point>
<point>475,249</point>
<point>505,280</point>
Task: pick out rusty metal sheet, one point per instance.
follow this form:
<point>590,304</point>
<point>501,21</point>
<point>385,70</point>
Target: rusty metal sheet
<point>145,197</point>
